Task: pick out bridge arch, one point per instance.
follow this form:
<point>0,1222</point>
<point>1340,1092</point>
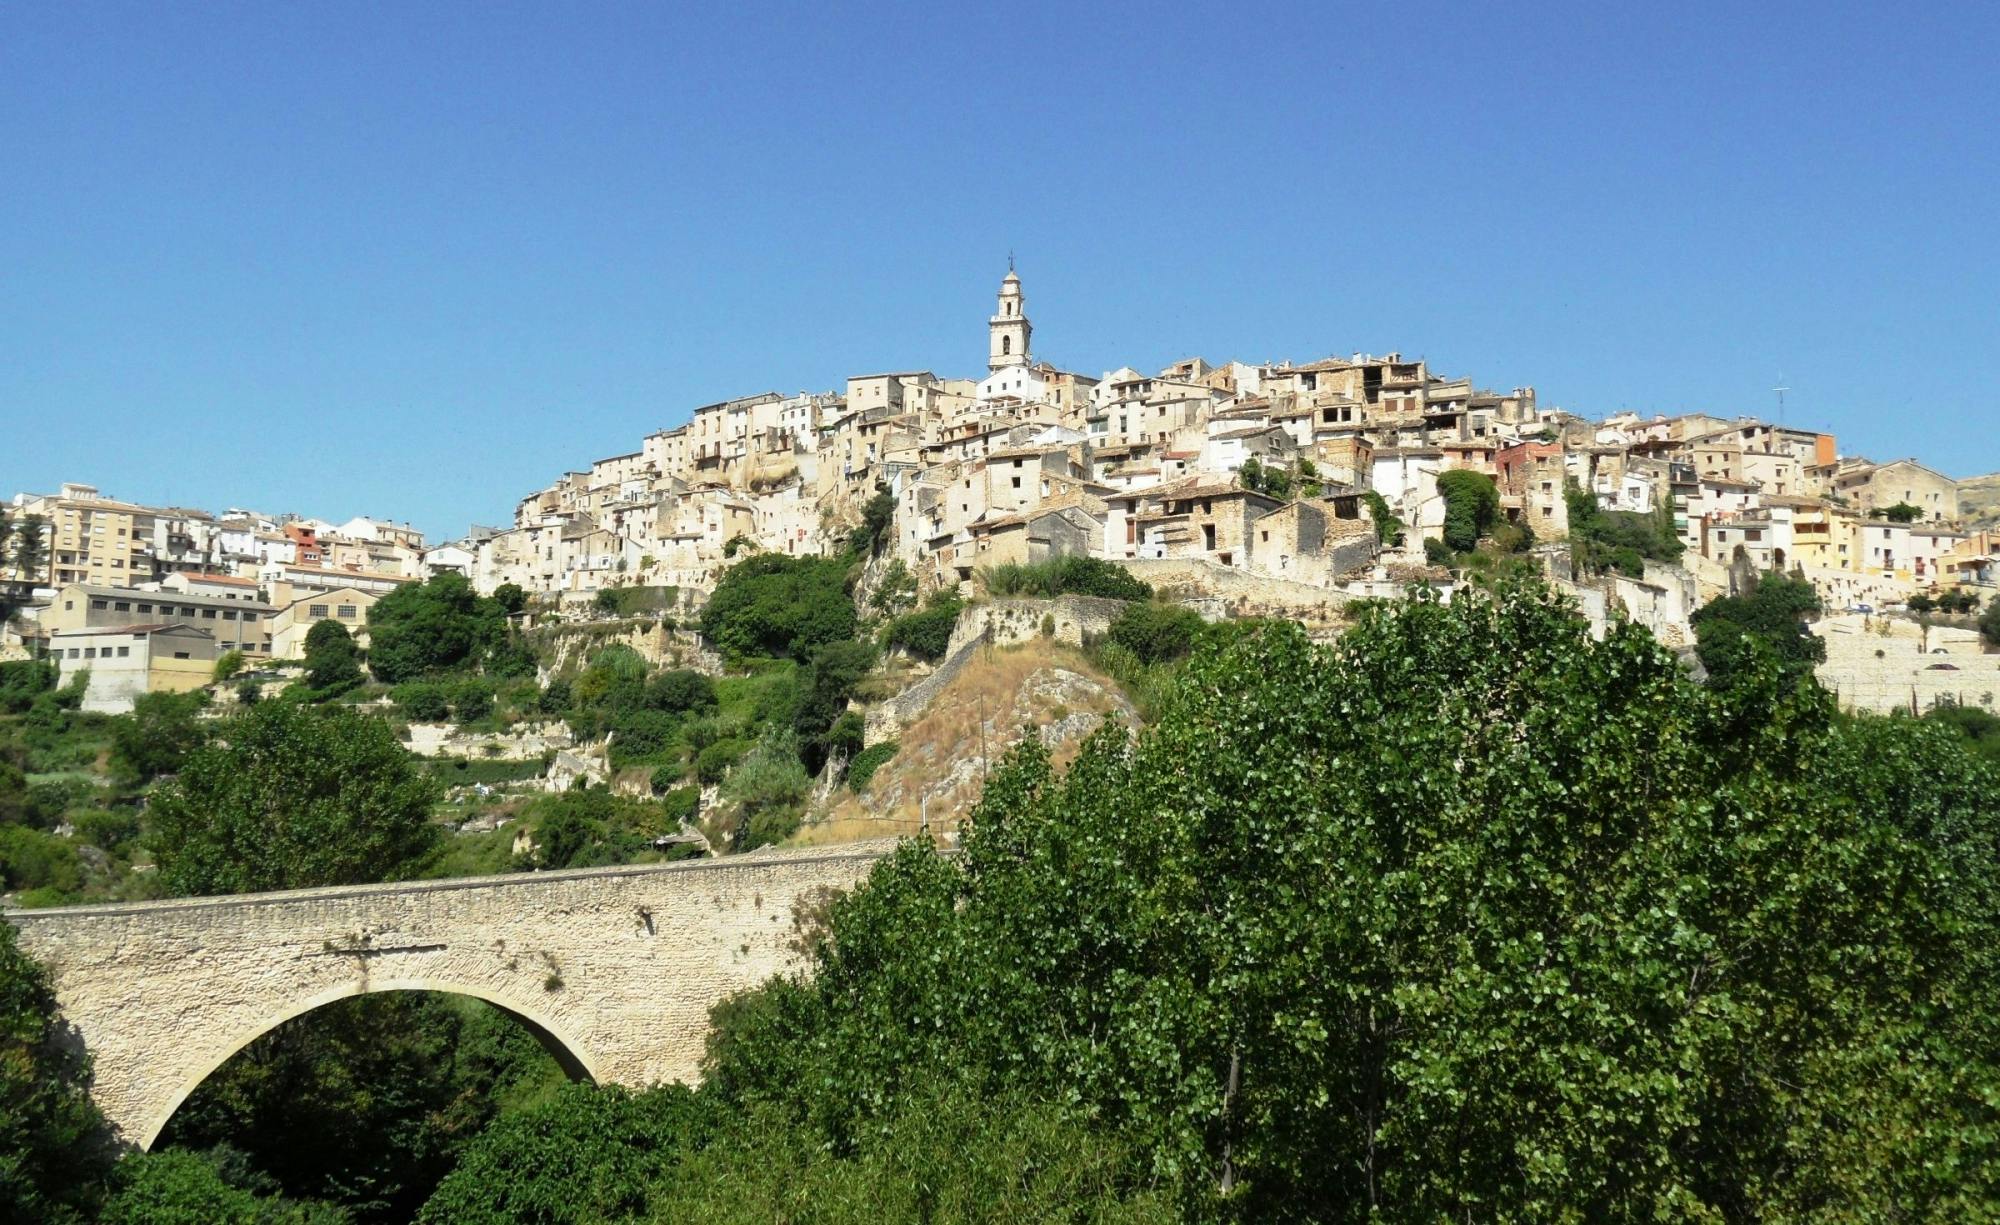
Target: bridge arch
<point>209,1059</point>
<point>615,968</point>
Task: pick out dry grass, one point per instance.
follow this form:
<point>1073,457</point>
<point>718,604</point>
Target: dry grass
<point>979,716</point>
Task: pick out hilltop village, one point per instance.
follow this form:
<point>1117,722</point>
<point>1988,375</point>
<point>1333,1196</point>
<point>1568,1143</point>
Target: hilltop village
<point>1272,489</point>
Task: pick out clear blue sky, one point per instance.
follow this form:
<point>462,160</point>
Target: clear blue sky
<point>413,260</point>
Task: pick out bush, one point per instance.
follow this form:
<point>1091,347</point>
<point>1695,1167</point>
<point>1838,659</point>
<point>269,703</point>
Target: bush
<point>228,664</point>
<point>775,605</point>
<point>422,701</point>
<point>714,762</point>
<point>1065,576</point>
<point>1989,623</point>
<point>664,777</point>
<point>681,691</point>
<point>105,829</point>
<point>640,735</point>
<point>1154,633</point>
<point>680,805</point>
<point>1471,506</point>
<point>926,634</point>
<point>471,699</point>
<point>866,762</point>
<point>1436,551</point>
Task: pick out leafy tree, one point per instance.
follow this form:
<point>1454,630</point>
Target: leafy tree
<point>775,605</point>
<point>1464,916</point>
<point>1251,474</point>
<point>867,538</point>
<point>227,665</point>
<point>422,701</point>
<point>926,633</point>
<point>588,1155</point>
<point>161,731</point>
<point>177,1187</point>
<point>862,766</point>
<point>681,691</point>
<point>1921,602</point>
<point>54,1149</point>
<point>22,681</point>
<point>436,626</point>
<point>31,552</point>
<point>1388,528</point>
<point>1989,623</point>
<point>1602,540</point>
<point>1278,483</point>
<point>1730,631</point>
<point>365,1102</point>
<point>1980,728</point>
<point>1155,633</point>
<point>44,867</point>
<point>640,735</point>
<point>291,797</point>
<point>510,597</point>
<point>1901,512</point>
<point>1471,507</point>
<point>471,699</point>
<point>837,668</point>
<point>332,662</point>
<point>713,763</point>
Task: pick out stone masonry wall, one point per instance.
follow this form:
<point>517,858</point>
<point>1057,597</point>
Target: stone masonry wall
<point>617,968</point>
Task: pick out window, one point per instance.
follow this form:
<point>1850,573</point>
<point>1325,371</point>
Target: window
<point>344,611</point>
<point>249,616</point>
<point>1017,482</point>
<point>186,611</point>
<point>180,654</point>
<point>145,608</point>
<point>1208,536</point>
<point>316,611</point>
<point>208,614</point>
<point>124,652</point>
<point>74,652</point>
<point>100,604</point>
<point>229,614</point>
<point>121,606</point>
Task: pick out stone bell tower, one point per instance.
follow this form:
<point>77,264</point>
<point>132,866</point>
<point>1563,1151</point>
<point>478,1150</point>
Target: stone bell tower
<point>1007,332</point>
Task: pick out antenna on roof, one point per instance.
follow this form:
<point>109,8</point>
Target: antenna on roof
<point>1781,390</point>
<point>1010,259</point>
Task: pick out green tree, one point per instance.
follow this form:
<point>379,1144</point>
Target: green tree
<point>1901,512</point>
<point>1769,617</point>
<point>291,797</point>
<point>589,1155</point>
<point>837,668</point>
<point>510,597</point>
<point>54,1149</point>
<point>176,1187</point>
<point>1388,528</point>
<point>867,538</point>
<point>1989,623</point>
<point>436,626</point>
<point>1464,916</point>
<point>681,691</point>
<point>926,633</point>
<point>31,551</point>
<point>332,662</point>
<point>1471,507</point>
<point>1155,633</point>
<point>227,665</point>
<point>775,605</point>
<point>159,734</point>
<point>1251,474</point>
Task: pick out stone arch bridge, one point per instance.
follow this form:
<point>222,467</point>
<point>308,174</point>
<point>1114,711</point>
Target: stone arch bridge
<point>614,969</point>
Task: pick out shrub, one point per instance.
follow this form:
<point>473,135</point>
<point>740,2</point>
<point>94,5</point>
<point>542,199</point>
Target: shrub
<point>866,762</point>
<point>926,634</point>
<point>775,605</point>
<point>105,829</point>
<point>664,777</point>
<point>641,734</point>
<point>681,690</point>
<point>422,701</point>
<point>680,805</point>
<point>228,664</point>
<point>471,699</point>
<point>1471,505</point>
<point>1065,576</point>
<point>713,763</point>
<point>1156,632</point>
<point>1436,551</point>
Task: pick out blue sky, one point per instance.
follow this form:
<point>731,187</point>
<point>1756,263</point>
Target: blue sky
<point>414,260</point>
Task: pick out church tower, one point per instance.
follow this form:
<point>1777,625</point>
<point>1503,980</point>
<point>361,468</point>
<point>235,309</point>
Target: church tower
<point>1007,332</point>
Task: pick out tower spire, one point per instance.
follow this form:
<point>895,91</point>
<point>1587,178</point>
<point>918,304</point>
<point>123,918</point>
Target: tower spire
<point>1007,332</point>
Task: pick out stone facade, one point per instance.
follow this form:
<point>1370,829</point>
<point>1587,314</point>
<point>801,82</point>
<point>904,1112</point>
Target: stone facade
<point>614,968</point>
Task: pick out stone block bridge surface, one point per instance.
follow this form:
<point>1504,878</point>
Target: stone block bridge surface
<point>615,969</point>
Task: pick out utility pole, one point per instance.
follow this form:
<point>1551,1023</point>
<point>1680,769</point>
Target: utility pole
<point>1781,390</point>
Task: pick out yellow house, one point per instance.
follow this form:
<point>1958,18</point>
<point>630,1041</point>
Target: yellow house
<point>347,605</point>
<point>125,661</point>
